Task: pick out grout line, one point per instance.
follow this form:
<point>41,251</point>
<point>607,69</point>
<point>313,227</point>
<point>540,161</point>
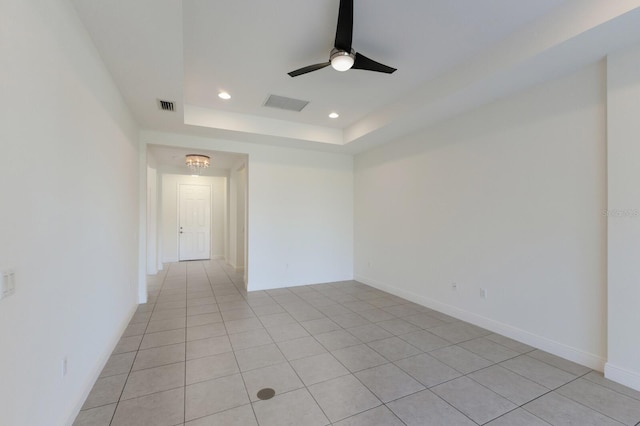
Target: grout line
<point>288,300</point>
<point>135,357</point>
<point>580,403</point>
<point>234,352</point>
<point>184,393</point>
<point>511,411</point>
<point>609,388</point>
<point>287,361</point>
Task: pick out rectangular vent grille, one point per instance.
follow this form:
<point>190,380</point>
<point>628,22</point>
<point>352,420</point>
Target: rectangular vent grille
<point>281,102</point>
<point>165,105</point>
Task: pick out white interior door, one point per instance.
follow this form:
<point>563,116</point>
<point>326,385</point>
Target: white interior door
<point>195,222</point>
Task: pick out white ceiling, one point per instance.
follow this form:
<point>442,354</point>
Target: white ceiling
<point>174,158</point>
<point>451,55</point>
<point>247,47</point>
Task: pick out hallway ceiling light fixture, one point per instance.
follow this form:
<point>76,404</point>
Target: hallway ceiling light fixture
<point>197,163</point>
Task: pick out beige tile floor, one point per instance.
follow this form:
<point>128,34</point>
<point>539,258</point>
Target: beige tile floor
<point>341,353</point>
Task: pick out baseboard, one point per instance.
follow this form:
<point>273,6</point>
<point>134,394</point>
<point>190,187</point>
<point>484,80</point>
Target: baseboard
<point>560,349</point>
<point>102,361</point>
<point>623,376</point>
<point>176,260</point>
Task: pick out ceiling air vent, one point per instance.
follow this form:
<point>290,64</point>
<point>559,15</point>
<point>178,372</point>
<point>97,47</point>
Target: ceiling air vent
<point>165,105</point>
<point>281,102</point>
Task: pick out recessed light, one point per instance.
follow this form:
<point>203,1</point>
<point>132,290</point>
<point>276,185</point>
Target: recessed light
<point>334,115</point>
<point>224,95</point>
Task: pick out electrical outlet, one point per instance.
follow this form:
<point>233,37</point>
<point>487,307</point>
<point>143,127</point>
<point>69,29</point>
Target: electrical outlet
<point>483,293</point>
<point>454,286</point>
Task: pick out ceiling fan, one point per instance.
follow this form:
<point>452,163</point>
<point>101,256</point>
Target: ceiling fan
<point>342,56</point>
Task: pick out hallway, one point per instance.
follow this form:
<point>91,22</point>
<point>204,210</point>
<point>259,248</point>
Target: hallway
<point>340,353</point>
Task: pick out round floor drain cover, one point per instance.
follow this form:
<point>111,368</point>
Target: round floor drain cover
<point>266,393</point>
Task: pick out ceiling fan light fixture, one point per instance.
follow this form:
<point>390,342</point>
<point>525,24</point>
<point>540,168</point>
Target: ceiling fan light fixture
<point>342,60</point>
<point>342,56</point>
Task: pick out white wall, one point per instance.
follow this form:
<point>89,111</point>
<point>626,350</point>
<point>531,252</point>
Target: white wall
<point>237,216</point>
<point>170,183</point>
<point>68,222</point>
<point>152,220</point>
<point>508,198</point>
<point>233,224</point>
<point>623,140</point>
<point>300,211</point>
<point>219,214</point>
<point>241,218</point>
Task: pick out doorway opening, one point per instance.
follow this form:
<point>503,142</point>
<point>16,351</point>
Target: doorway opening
<point>196,217</point>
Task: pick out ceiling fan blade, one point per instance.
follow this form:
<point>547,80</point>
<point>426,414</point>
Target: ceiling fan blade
<point>309,68</point>
<point>363,63</point>
<point>344,31</point>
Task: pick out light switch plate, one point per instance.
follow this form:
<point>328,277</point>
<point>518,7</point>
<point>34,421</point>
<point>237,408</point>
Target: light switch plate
<point>7,282</point>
